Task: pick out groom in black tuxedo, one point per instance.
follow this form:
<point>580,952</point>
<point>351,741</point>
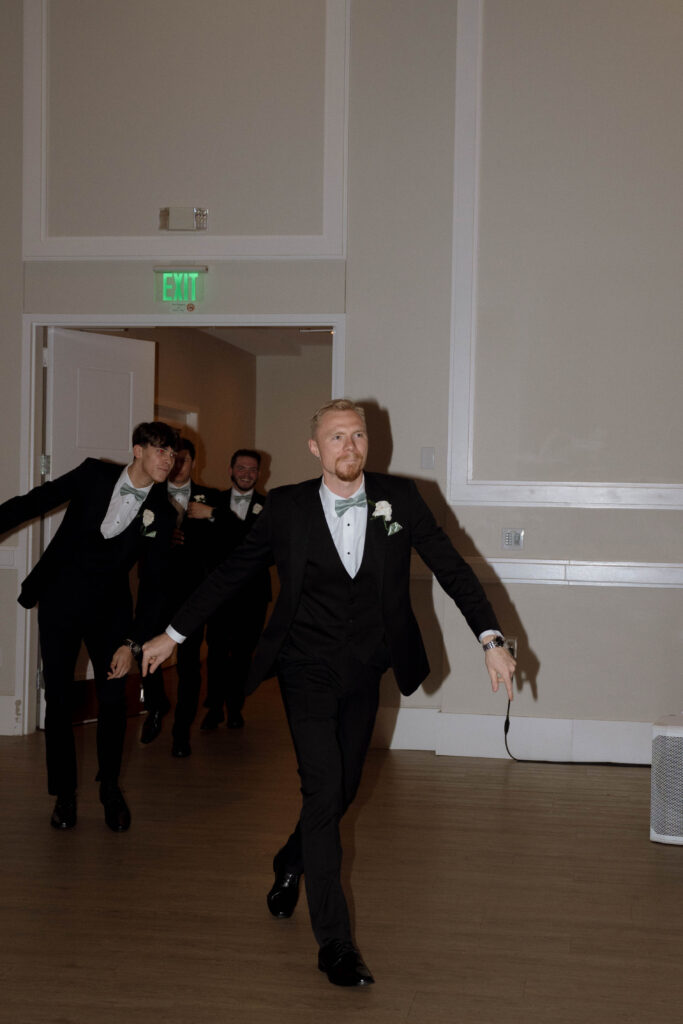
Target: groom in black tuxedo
<point>116,516</point>
<point>342,547</point>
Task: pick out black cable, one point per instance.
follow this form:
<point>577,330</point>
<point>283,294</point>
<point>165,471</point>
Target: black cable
<point>593,764</point>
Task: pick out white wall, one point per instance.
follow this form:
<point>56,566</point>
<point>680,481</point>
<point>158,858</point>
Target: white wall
<point>289,388</point>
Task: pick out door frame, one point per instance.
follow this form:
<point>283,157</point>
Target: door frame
<point>18,712</point>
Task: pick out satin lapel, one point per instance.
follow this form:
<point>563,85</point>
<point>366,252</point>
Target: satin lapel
<point>256,499</point>
<point>100,491</point>
<point>306,504</point>
<point>375,537</point>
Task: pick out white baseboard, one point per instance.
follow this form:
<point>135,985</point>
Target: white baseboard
<point>544,739</point>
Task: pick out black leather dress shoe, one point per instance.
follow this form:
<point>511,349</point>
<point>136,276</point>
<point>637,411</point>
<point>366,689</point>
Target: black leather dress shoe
<point>116,813</point>
<point>283,896</point>
<point>211,720</point>
<point>151,727</point>
<point>181,748</point>
<point>235,720</point>
<point>343,964</point>
<point>64,814</point>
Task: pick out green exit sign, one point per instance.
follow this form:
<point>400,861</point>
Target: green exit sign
<point>179,287</point>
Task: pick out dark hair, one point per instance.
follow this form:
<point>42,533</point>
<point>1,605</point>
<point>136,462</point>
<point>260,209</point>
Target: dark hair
<point>185,445</point>
<point>156,434</point>
<point>248,453</point>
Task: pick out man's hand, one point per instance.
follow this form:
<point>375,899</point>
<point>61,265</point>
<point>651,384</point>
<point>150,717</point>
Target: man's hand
<point>121,663</point>
<point>501,668</point>
<point>177,537</point>
<point>198,510</point>
<point>156,651</point>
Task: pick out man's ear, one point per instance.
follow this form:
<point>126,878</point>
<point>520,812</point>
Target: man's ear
<point>137,451</point>
<point>313,448</point>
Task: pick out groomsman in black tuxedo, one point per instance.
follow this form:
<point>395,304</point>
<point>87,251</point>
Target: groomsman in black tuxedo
<point>234,628</point>
<point>116,516</point>
<point>194,553</point>
<point>342,546</point>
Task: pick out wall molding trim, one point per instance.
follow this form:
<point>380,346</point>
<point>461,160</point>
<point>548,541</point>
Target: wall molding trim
<point>543,739</point>
<point>38,244</point>
<point>579,574</point>
<point>463,488</point>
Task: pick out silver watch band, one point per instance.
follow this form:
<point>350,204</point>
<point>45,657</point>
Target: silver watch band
<point>498,641</point>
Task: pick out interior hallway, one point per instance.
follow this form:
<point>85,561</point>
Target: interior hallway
<point>486,891</point>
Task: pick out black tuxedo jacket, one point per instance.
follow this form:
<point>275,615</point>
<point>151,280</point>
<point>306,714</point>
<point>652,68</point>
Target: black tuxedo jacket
<point>281,536</point>
<point>78,550</point>
<point>230,532</point>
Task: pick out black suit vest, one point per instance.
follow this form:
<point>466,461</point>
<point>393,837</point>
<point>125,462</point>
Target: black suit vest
<point>337,614</point>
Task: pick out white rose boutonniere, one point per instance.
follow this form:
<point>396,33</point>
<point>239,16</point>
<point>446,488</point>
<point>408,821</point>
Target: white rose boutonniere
<point>200,498</point>
<point>256,509</point>
<point>383,510</point>
<point>147,520</point>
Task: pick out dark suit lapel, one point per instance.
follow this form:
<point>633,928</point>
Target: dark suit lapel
<point>375,547</point>
<point>307,504</point>
<point>100,490</point>
<point>257,501</point>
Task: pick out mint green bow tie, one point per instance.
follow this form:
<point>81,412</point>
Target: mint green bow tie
<point>241,497</point>
<point>175,491</point>
<point>342,504</point>
<point>128,489</point>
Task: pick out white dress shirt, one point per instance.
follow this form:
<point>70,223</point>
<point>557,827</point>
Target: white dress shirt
<point>348,531</point>
<point>240,508</point>
<point>123,508</point>
<point>179,495</point>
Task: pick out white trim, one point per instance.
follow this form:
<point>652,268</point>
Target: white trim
<point>337,321</point>
<point>7,557</point>
<point>573,573</point>
<point>463,489</point>
<point>546,739</point>
<point>566,572</point>
<point>331,244</point>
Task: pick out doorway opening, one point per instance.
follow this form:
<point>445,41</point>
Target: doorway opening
<point>228,381</point>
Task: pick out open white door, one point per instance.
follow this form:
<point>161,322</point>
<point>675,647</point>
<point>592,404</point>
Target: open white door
<point>97,389</point>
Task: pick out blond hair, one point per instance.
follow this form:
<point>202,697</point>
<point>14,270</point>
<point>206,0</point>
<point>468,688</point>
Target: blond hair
<point>336,405</point>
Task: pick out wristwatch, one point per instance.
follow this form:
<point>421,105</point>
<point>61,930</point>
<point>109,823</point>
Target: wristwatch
<point>498,641</point>
<point>135,647</point>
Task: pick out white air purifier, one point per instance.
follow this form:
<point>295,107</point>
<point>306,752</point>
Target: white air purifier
<point>666,796</point>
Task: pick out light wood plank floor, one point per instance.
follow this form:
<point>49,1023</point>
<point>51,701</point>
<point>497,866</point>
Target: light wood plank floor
<point>484,891</point>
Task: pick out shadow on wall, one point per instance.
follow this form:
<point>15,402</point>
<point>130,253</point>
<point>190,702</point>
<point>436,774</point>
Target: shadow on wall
<point>379,459</point>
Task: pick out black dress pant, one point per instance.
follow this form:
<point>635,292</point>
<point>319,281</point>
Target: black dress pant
<point>65,619</point>
<point>189,670</point>
<point>232,634</point>
<point>331,712</point>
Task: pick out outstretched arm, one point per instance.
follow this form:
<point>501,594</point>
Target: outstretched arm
<point>156,651</point>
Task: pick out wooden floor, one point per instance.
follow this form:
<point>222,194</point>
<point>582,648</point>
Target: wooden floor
<point>484,891</point>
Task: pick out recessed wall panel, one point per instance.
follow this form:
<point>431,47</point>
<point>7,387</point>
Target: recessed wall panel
<point>579,343</point>
<point>217,104</point>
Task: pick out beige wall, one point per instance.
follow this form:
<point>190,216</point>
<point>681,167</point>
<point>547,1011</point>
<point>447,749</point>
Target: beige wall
<point>580,302</point>
<point>577,323</point>
<point>288,391</point>
<point>216,381</point>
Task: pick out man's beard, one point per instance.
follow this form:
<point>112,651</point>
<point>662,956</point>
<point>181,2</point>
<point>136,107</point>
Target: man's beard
<point>348,470</point>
